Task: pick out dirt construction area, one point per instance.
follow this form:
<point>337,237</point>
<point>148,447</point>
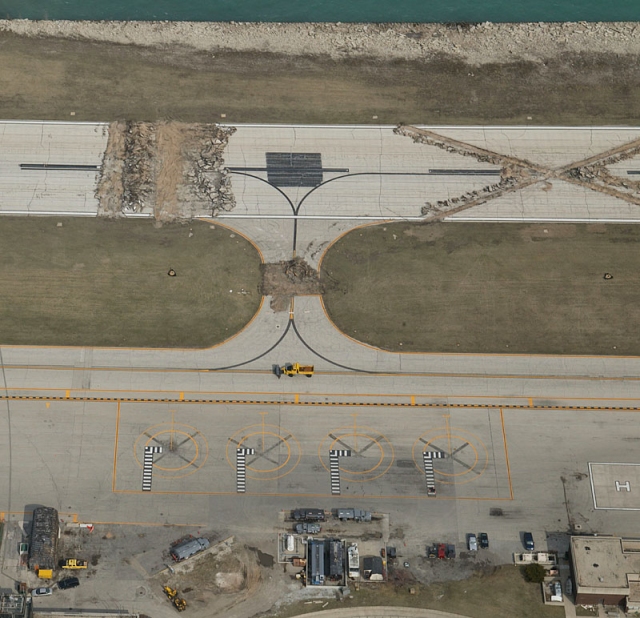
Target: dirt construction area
<point>105,282</point>
<point>240,577</point>
<point>175,168</point>
<point>487,288</point>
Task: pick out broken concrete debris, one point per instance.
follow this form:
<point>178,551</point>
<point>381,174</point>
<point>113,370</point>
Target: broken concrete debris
<point>171,170</point>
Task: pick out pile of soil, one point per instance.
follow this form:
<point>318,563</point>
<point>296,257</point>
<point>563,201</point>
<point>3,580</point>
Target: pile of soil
<point>286,279</point>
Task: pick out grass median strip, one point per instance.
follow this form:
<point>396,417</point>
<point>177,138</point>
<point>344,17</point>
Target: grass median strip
<point>488,288</point>
<point>101,282</point>
<point>500,594</point>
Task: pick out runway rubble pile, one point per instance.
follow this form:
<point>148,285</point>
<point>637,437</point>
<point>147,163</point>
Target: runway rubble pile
<point>208,179</point>
<point>515,174</point>
<point>139,159</point>
<point>283,280</point>
<point>169,170</point>
<point>512,174</point>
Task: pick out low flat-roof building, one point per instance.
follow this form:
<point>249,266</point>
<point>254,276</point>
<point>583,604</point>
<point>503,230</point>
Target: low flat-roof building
<point>14,605</point>
<point>606,570</point>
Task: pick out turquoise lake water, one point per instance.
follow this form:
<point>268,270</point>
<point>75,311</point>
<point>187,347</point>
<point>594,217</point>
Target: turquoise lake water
<point>326,10</point>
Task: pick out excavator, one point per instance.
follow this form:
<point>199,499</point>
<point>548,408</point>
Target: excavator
<point>172,595</point>
<point>293,369</point>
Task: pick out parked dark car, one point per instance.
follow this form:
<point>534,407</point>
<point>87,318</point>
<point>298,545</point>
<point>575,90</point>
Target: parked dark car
<point>483,539</point>
<point>451,551</point>
<point>68,582</point>
<point>527,541</point>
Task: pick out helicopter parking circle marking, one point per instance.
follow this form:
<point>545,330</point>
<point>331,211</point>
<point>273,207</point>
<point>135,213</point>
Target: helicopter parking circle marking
<point>462,449</point>
<point>184,449</point>
<point>267,463</point>
<point>359,439</point>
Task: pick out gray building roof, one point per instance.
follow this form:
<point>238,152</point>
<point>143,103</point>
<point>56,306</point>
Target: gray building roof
<point>604,565</point>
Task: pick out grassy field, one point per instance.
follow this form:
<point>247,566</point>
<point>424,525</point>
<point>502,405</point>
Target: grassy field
<point>97,282</point>
<point>48,79</point>
<point>504,594</point>
<point>488,288</point>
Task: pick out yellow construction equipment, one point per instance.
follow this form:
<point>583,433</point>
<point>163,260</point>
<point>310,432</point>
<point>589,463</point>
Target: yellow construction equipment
<point>74,564</point>
<point>172,595</point>
<point>293,369</point>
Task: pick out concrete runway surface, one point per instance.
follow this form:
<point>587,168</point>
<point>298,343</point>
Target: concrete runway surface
<point>515,434</point>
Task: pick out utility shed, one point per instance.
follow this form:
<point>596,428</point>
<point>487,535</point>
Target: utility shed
<point>189,548</point>
<point>44,539</point>
<point>372,568</point>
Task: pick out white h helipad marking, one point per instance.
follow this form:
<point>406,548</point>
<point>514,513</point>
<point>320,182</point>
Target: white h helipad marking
<point>620,486</point>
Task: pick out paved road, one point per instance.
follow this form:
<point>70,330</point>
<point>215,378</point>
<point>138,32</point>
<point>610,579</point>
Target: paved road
<point>516,432</point>
<point>384,612</point>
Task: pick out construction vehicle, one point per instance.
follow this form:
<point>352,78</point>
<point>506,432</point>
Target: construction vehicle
<point>72,563</point>
<point>172,595</point>
<point>293,369</point>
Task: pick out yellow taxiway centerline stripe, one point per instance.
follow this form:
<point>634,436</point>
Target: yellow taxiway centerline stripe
<point>315,394</point>
<point>357,404</point>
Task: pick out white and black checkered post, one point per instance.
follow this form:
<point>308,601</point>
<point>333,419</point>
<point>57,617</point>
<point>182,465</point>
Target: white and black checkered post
<point>427,459</point>
<point>147,466</point>
<point>334,468</point>
<point>241,468</point>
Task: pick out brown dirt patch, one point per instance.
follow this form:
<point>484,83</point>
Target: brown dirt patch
<point>170,139</point>
<point>284,280</point>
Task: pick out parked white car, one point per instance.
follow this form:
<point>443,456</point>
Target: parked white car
<point>472,542</point>
<point>41,592</point>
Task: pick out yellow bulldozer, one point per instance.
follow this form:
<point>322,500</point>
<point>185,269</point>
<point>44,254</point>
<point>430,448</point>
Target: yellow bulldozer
<point>293,369</point>
<point>172,595</point>
<point>72,563</point>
